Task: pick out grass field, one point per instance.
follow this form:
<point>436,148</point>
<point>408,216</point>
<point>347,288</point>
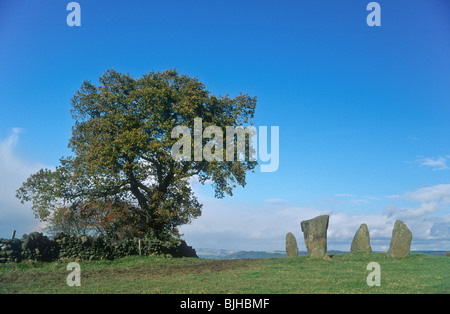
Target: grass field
<point>343,273</point>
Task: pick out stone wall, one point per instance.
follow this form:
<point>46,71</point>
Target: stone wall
<point>38,247</point>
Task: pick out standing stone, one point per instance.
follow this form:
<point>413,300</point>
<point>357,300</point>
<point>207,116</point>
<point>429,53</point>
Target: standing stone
<point>400,241</point>
<point>291,245</point>
<point>361,241</point>
<point>315,234</point>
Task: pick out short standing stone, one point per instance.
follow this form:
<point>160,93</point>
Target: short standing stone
<point>361,241</point>
<point>315,234</point>
<point>291,245</point>
<point>400,241</point>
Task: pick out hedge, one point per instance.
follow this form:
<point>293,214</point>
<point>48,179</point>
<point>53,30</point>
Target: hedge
<point>38,247</point>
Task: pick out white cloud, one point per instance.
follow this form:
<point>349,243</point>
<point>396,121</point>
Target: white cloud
<point>225,225</point>
<point>439,163</point>
<point>428,217</point>
<point>345,195</point>
<point>13,171</point>
<point>349,199</point>
<point>436,193</point>
<point>412,212</point>
<point>278,201</point>
<point>342,229</point>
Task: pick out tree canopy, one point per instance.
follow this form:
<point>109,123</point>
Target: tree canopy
<point>121,143</point>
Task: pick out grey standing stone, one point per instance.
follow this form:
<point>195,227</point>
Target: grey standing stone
<point>291,245</point>
<point>315,234</point>
<point>400,241</point>
<point>361,241</point>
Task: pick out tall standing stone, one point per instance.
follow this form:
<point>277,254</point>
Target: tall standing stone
<point>361,241</point>
<point>400,241</point>
<point>315,234</point>
<point>291,245</point>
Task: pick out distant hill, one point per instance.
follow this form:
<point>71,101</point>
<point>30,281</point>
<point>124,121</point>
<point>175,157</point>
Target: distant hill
<point>436,253</point>
<point>254,254</point>
<point>213,253</point>
<point>230,254</point>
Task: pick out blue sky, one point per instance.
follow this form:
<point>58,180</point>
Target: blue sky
<point>363,111</point>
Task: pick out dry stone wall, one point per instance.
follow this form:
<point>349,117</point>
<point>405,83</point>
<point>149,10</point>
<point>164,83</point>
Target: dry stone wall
<point>38,247</point>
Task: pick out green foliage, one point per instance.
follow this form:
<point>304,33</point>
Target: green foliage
<point>121,143</point>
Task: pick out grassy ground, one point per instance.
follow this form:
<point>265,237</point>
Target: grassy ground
<point>344,273</point>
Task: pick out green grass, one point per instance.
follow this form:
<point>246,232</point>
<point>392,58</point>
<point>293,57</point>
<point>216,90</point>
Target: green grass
<point>344,273</point>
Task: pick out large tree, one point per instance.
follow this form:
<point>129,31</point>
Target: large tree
<point>121,143</point>
<point>115,221</point>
